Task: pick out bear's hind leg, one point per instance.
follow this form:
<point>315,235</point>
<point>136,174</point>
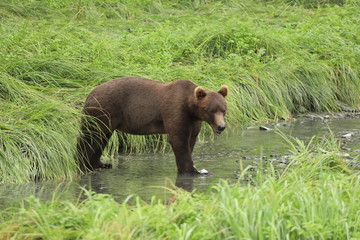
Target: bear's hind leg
<point>90,146</point>
<point>95,160</point>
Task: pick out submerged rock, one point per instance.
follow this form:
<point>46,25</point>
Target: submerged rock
<point>315,117</point>
<point>344,107</point>
<point>282,165</point>
<point>344,155</point>
<point>348,135</point>
<point>346,149</point>
<point>263,128</point>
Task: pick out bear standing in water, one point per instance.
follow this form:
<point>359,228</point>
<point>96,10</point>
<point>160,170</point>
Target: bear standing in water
<point>141,106</point>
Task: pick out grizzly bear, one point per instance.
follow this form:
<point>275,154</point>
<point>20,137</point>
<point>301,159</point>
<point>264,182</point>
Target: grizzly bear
<point>142,106</point>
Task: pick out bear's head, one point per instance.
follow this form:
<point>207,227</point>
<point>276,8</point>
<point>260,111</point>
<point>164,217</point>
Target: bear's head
<point>211,107</point>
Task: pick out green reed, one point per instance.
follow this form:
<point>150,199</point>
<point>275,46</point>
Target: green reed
<point>278,58</point>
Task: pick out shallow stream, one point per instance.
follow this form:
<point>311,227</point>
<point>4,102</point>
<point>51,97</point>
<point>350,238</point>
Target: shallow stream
<point>147,174</point>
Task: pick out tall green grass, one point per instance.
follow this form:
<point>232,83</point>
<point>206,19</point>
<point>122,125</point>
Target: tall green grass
<point>316,197</point>
<point>36,134</point>
<point>278,58</point>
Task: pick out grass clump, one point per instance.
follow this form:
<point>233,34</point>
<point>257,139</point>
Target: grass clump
<point>277,57</point>
<point>315,198</point>
<point>36,144</point>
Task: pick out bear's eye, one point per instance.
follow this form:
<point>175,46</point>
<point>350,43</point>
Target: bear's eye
<point>212,111</point>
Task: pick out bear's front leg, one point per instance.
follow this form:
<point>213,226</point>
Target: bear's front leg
<point>180,144</point>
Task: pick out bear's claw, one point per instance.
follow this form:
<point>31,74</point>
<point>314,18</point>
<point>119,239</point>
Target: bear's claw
<point>108,165</point>
<point>104,165</point>
<point>196,173</point>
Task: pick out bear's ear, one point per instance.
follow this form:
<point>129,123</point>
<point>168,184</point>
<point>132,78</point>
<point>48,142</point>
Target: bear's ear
<point>199,93</point>
<point>224,90</point>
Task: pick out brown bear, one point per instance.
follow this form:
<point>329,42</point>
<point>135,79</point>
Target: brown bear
<point>142,106</point>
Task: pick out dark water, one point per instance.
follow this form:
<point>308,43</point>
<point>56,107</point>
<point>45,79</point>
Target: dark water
<point>147,174</point>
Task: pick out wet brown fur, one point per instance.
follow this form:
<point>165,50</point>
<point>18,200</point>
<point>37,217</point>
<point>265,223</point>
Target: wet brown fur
<point>141,106</point>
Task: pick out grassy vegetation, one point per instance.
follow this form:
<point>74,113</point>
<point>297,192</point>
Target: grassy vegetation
<point>316,197</point>
<point>277,57</point>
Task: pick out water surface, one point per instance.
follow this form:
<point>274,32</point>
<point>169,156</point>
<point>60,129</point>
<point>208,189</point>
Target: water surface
<point>148,174</point>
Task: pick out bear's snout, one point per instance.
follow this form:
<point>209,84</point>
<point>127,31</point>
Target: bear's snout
<point>221,127</point>
<point>218,125</point>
